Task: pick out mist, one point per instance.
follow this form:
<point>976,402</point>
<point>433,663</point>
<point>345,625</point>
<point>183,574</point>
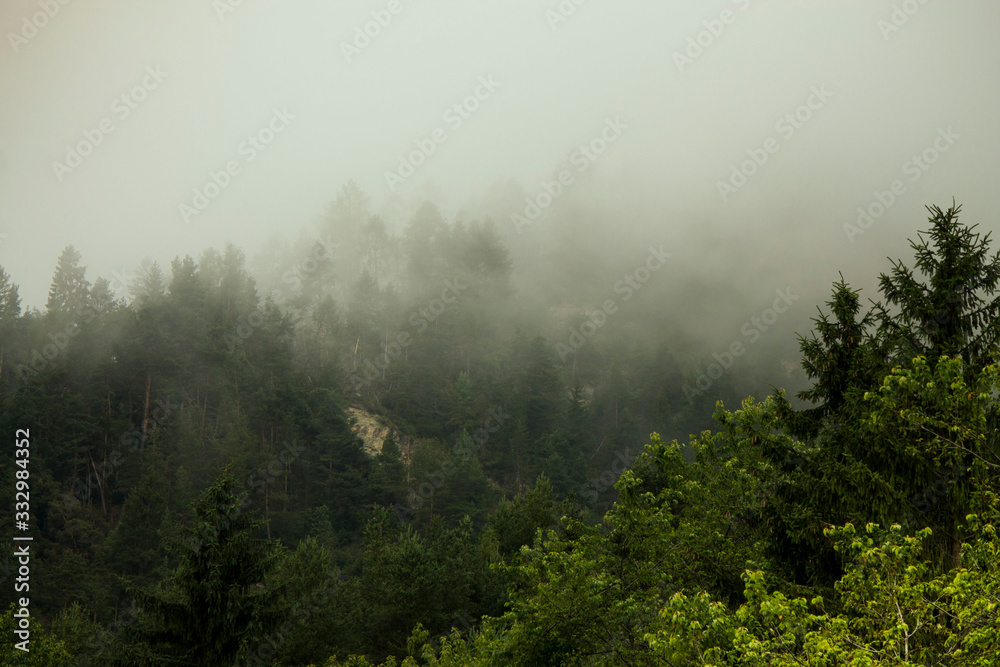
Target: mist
<point>438,210</point>
<point>226,69</point>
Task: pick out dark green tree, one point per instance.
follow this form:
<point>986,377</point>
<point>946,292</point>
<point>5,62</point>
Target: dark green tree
<point>851,468</point>
<point>841,357</point>
<point>388,479</point>
<point>955,309</point>
<point>516,521</point>
<point>215,604</point>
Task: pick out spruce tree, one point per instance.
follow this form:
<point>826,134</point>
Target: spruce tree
<point>955,309</point>
<point>70,289</point>
<point>214,606</point>
<point>10,301</point>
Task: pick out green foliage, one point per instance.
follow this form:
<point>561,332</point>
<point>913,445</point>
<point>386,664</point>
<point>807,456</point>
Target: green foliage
<point>216,603</point>
<point>43,648</point>
<point>10,301</point>
<point>70,288</point>
<point>308,582</point>
<point>438,579</point>
<point>516,521</point>
<point>934,428</point>
<point>84,639</point>
<point>895,612</point>
<point>840,356</point>
<point>952,313</point>
<point>736,548</point>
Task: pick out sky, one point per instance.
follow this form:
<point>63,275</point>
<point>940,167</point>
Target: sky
<point>749,131</point>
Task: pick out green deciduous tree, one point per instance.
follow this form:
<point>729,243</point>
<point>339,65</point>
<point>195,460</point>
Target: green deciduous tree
<point>42,649</point>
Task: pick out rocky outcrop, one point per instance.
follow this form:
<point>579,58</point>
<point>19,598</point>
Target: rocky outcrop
<point>373,430</point>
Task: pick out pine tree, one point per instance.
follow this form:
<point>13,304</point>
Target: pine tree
<point>102,297</point>
<point>860,470</point>
<point>10,301</point>
<point>956,311</point>
<point>343,222</point>
<point>149,286</point>
<point>214,606</point>
<point>388,480</point>
<point>841,356</point>
<point>424,240</point>
<point>70,288</point>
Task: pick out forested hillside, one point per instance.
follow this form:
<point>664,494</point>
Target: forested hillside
<point>554,485</point>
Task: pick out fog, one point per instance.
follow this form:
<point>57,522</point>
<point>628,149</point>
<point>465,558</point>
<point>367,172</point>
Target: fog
<point>522,332</point>
<point>497,99</point>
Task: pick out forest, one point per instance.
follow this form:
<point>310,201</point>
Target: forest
<point>381,444</point>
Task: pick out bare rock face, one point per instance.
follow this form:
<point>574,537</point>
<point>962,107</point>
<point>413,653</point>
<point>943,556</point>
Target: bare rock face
<point>373,431</point>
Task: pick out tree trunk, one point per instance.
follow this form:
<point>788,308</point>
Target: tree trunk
<point>100,486</point>
<point>201,431</point>
<point>267,509</point>
<point>145,413</point>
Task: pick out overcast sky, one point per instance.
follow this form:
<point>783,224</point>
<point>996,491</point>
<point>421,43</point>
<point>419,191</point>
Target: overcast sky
<point>182,84</point>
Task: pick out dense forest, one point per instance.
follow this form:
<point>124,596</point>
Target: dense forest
<point>379,445</point>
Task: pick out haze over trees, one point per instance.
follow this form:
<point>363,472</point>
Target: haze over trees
<point>204,492</point>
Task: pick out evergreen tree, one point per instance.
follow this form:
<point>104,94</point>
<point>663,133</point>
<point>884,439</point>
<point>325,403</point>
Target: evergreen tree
<point>102,297</point>
<point>70,288</point>
<point>388,481</point>
<point>424,242</point>
<point>149,285</point>
<point>955,311</point>
<point>858,470</point>
<point>841,357</point>
<point>516,521</point>
<point>215,604</point>
<point>10,302</point>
